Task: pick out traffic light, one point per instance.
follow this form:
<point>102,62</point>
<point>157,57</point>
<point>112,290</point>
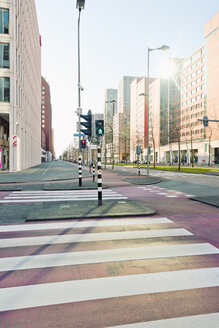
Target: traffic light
<point>99,125</point>
<point>83,143</point>
<point>87,125</point>
<point>205,120</point>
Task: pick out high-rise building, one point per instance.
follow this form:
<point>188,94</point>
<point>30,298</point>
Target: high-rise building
<point>138,116</point>
<point>110,109</point>
<point>211,33</point>
<point>165,114</point>
<point>122,121</point>
<point>46,117</point>
<point>20,85</point>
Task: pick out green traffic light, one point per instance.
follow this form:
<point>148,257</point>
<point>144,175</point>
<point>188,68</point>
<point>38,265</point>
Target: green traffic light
<point>100,132</point>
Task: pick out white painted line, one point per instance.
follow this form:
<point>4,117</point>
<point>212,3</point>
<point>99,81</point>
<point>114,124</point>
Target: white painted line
<point>54,192</point>
<point>189,195</point>
<point>57,200</point>
<point>57,196</point>
<point>162,193</point>
<point>172,196</point>
<point>101,256</point>
<point>82,224</point>
<point>47,169</point>
<point>22,297</point>
<point>210,320</point>
<point>78,238</point>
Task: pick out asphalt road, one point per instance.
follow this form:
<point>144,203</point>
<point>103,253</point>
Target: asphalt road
<point>155,271</point>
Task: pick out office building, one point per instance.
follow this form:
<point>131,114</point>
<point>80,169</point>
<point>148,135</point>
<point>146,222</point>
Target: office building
<point>20,85</point>
<point>46,119</point>
<point>138,116</point>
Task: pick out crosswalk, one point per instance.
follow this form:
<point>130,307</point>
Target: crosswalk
<point>57,196</point>
<point>130,272</point>
<point>164,192</point>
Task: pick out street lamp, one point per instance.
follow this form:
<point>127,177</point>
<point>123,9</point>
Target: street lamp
<point>163,47</point>
<point>79,6</point>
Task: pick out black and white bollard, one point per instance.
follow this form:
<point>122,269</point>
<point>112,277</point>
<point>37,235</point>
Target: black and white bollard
<point>139,165</point>
<point>99,176</point>
<point>93,172</point>
<point>80,171</point>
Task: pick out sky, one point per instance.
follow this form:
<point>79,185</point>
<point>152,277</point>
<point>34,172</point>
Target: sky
<point>115,35</point>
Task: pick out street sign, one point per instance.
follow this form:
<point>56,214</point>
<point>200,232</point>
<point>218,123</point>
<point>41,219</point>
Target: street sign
<point>14,140</point>
<point>205,120</point>
<point>78,135</point>
<point>93,147</point>
<point>138,149</point>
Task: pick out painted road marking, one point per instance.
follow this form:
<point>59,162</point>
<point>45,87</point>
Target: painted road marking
<point>210,320</point>
<point>79,238</point>
<point>82,224</point>
<point>100,288</point>
<point>101,256</point>
<point>54,196</point>
<point>168,193</point>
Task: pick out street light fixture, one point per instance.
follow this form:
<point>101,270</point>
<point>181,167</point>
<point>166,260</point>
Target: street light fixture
<point>79,6</point>
<point>163,47</point>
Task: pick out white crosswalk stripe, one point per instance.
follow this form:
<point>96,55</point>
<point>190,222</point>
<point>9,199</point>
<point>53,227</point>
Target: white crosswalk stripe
<point>102,261</point>
<point>56,196</point>
<point>200,321</point>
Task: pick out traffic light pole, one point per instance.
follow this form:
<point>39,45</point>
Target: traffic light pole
<point>79,103</point>
<point>99,176</point>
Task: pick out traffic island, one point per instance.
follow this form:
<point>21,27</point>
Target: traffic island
<point>143,180</point>
<point>87,209</point>
<point>209,200</point>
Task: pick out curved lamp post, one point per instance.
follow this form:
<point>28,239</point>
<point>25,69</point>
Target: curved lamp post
<point>163,47</point>
<point>79,6</point>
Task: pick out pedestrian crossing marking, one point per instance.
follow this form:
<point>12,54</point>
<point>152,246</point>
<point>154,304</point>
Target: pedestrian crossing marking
<point>55,196</point>
<point>165,192</point>
<point>29,289</point>
<point>210,320</point>
<point>100,288</point>
<point>101,236</point>
<point>83,224</point>
<point>101,256</point>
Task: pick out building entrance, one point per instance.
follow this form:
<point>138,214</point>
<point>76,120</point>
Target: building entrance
<point>216,155</point>
<point>4,143</point>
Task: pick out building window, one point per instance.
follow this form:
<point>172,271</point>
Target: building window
<point>4,55</point>
<point>4,20</point>
<point>5,89</point>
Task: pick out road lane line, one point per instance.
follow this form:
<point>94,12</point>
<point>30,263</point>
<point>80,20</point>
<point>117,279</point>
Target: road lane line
<point>102,256</point>
<point>79,238</point>
<point>22,297</point>
<point>47,169</point>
